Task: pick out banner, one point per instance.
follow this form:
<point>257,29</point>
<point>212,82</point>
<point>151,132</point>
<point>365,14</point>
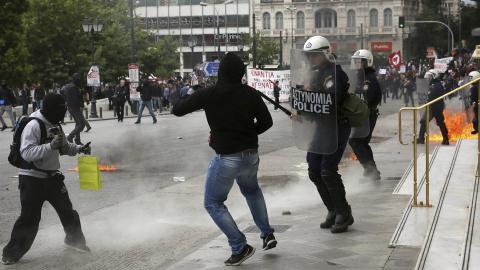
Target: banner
<point>133,73</point>
<point>442,64</point>
<point>134,95</point>
<point>93,77</point>
<point>395,59</point>
<point>263,80</point>
<point>431,52</point>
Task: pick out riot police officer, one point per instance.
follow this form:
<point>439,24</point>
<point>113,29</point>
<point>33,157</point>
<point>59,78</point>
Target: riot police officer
<point>372,95</point>
<point>322,167</point>
<point>474,98</point>
<point>436,90</point>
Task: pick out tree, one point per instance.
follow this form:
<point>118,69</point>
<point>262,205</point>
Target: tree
<point>15,66</point>
<point>161,58</point>
<point>267,49</point>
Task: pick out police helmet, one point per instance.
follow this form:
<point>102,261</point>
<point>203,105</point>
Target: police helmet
<point>433,73</point>
<point>474,75</point>
<point>318,44</point>
<point>364,54</point>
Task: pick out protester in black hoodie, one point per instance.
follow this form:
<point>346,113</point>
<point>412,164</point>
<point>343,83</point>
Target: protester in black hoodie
<point>231,109</point>
<point>75,106</point>
<point>146,93</point>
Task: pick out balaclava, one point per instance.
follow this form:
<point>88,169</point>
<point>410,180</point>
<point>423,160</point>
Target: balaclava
<point>4,84</point>
<point>54,108</point>
<point>76,79</point>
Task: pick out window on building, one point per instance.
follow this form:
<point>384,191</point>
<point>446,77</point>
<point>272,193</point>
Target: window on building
<point>266,20</point>
<point>351,18</point>
<point>318,19</point>
<point>279,20</point>
<point>387,17</point>
<point>327,19</point>
<point>373,18</point>
<point>300,20</point>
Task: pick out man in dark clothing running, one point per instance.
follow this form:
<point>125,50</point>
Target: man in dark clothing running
<point>146,92</point>
<point>75,106</point>
<point>231,109</point>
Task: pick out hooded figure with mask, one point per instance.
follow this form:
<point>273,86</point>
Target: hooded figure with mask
<point>236,115</point>
<point>146,93</point>
<point>7,102</point>
<point>45,184</point>
<point>75,107</point>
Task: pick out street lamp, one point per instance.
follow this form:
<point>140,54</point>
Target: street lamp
<point>192,42</point>
<point>292,9</point>
<point>92,26</point>
<point>204,4</point>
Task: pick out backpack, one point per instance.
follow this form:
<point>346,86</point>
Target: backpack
<point>353,108</point>
<point>15,158</point>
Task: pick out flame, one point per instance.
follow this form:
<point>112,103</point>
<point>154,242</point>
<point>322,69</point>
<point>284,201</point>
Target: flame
<point>353,157</point>
<point>456,126</point>
<point>101,166</point>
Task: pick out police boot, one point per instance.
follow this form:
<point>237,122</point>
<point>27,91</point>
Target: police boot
<point>323,191</point>
<point>420,140</point>
<point>336,190</point>
<point>444,132</point>
<point>371,172</point>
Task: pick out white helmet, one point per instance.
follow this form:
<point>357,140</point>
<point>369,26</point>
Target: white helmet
<point>318,44</point>
<point>474,75</point>
<point>364,54</point>
<point>433,73</point>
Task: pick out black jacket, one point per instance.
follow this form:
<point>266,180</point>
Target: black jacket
<point>146,91</point>
<point>231,109</point>
<point>122,93</point>
<point>74,93</point>
<point>39,93</point>
<point>7,97</point>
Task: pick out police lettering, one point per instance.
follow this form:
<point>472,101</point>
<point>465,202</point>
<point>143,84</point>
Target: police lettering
<point>314,102</point>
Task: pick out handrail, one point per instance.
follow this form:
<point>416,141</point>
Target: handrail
<point>427,141</point>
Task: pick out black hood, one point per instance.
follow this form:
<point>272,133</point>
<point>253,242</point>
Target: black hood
<point>231,69</point>
<point>76,79</point>
<point>54,108</point>
<point>369,70</point>
<point>4,84</point>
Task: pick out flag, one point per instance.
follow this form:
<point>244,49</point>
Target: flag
<point>395,59</point>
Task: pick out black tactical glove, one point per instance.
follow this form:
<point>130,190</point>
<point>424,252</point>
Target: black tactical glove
<point>86,149</point>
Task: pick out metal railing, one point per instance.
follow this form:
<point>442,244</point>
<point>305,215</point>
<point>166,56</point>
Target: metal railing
<point>427,164</point>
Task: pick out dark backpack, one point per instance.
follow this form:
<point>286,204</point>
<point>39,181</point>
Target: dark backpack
<point>15,158</point>
<point>353,108</point>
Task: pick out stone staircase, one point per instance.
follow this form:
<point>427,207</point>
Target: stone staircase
<point>448,232</point>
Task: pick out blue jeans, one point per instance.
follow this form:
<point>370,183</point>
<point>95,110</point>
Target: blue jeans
<point>40,104</point>
<point>221,173</point>
<point>157,103</point>
<point>147,104</point>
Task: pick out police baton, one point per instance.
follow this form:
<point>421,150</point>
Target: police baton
<point>289,113</point>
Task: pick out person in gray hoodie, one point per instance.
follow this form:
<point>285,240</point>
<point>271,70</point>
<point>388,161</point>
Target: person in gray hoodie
<point>45,182</point>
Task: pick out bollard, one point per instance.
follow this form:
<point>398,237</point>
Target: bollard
<point>101,112</point>
<point>86,113</point>
<point>126,110</point>
<point>114,112</point>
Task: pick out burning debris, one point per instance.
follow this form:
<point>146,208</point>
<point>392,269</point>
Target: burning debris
<point>102,167</point>
<point>353,157</point>
<point>457,127</point>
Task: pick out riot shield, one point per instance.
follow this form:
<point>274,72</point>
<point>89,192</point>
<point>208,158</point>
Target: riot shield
<point>467,100</point>
<point>423,87</point>
<point>313,100</point>
<point>356,79</point>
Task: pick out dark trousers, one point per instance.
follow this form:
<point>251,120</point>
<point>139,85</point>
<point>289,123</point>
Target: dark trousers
<point>110,103</point>
<point>33,193</point>
<point>361,147</point>
<point>120,108</point>
<point>79,119</point>
<point>408,97</point>
<point>475,119</point>
<point>34,106</point>
<point>439,118</point>
<point>277,101</point>
<point>25,107</point>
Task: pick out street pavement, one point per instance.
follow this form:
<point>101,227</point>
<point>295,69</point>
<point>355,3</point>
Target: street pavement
<point>295,210</point>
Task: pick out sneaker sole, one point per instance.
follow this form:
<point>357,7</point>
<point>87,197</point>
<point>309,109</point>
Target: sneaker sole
<point>243,259</point>
<point>75,248</point>
<point>9,262</point>
<point>271,244</point>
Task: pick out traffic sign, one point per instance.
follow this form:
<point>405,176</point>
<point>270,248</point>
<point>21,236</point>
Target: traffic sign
<point>210,68</point>
<point>476,32</point>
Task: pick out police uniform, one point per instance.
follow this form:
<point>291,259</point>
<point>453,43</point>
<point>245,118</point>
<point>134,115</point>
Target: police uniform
<point>323,168</point>
<point>370,92</point>
<point>436,111</point>
<point>474,98</point>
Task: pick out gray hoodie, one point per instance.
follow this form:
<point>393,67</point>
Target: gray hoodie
<point>42,155</point>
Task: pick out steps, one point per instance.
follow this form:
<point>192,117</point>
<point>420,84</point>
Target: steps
<point>449,231</point>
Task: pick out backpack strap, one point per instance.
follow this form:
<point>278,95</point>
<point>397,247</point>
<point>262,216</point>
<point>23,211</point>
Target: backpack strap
<point>43,139</point>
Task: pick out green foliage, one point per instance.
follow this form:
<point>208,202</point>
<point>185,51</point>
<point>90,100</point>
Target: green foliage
<point>161,58</point>
<point>429,34</point>
<point>267,49</point>
<point>14,64</point>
